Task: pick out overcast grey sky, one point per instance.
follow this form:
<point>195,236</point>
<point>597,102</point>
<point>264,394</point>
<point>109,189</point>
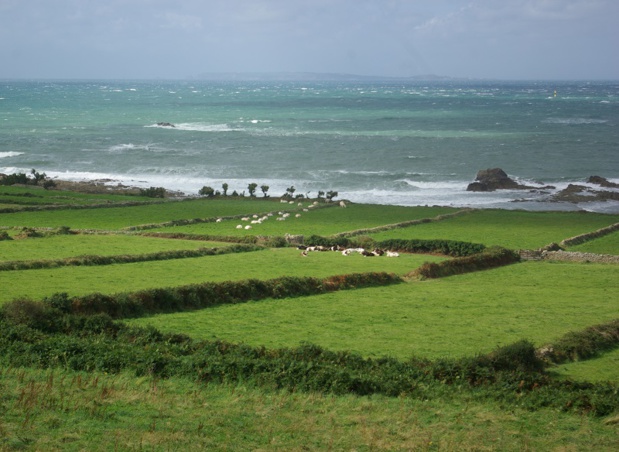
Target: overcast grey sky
<point>175,39</point>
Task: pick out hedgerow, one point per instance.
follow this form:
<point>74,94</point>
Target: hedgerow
<point>207,294</point>
<point>90,260</point>
<point>512,375</point>
<point>452,248</point>
<point>490,258</point>
<point>585,344</point>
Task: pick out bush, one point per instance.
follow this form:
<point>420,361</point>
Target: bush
<point>153,192</point>
<point>206,191</point>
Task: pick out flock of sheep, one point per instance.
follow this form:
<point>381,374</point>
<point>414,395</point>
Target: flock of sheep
<point>255,219</point>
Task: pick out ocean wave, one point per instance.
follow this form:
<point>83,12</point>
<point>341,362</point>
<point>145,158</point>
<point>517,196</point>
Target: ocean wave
<point>129,147</point>
<point>574,121</point>
<point>197,127</point>
<point>10,154</point>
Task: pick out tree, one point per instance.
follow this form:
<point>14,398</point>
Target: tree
<point>265,189</point>
<point>331,194</point>
<point>290,191</point>
<point>320,194</point>
<point>252,188</point>
<point>206,191</point>
<point>225,188</point>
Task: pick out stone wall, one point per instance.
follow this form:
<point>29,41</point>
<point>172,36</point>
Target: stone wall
<point>579,257</point>
<point>577,240</point>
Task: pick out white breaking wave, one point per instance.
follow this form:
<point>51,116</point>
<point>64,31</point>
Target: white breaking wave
<point>10,154</point>
<point>197,127</point>
<point>574,121</point>
<point>129,147</point>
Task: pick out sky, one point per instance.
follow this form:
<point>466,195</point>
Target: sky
<point>180,39</point>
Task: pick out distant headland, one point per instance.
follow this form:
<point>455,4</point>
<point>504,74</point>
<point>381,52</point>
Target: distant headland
<point>314,76</point>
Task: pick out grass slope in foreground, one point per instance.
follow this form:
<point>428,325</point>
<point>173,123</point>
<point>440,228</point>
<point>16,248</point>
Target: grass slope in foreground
<point>455,316</point>
<point>59,410</point>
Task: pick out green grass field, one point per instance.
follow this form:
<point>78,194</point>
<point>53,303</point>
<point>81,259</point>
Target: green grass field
<point>58,410</point>
<point>267,264</point>
<point>507,228</point>
<point>62,246</point>
<point>455,316</point>
<point>609,244</point>
<point>451,317</point>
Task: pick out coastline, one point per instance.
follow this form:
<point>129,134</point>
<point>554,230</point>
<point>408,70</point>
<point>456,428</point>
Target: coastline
<point>591,197</point>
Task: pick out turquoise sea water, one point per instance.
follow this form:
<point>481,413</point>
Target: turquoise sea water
<point>406,143</point>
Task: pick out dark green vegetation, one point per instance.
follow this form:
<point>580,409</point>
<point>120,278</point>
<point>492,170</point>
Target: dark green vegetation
<point>165,316</point>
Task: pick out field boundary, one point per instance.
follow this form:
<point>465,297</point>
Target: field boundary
<point>96,260</point>
<point>582,238</point>
<point>403,224</point>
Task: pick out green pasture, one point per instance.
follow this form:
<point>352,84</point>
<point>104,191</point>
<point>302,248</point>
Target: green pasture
<point>322,221</point>
<point>109,218</point>
<point>63,246</point>
<point>95,411</point>
<point>16,197</point>
<point>456,316</point>
<point>601,368</point>
<point>266,264</point>
<point>512,229</point>
<point>608,244</point>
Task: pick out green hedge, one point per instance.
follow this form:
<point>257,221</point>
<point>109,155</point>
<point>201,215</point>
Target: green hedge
<point>585,344</point>
<point>89,260</point>
<point>512,375</point>
<point>452,248</point>
<point>490,258</point>
<point>213,293</point>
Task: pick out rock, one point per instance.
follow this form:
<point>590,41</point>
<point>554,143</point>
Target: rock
<point>581,193</point>
<point>165,124</point>
<point>602,182</point>
<point>492,179</point>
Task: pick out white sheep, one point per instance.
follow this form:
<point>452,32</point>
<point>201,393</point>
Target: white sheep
<point>392,254</point>
<point>239,226</point>
<point>342,204</point>
<point>248,227</point>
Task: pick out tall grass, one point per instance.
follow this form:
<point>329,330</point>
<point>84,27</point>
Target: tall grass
<point>65,410</point>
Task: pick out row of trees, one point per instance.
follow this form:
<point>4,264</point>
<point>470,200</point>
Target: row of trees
<point>252,187</point>
<point>34,178</point>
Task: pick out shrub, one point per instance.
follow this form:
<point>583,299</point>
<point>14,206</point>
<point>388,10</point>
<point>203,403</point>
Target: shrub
<point>153,192</point>
<point>206,191</point>
<point>5,236</point>
<point>577,345</point>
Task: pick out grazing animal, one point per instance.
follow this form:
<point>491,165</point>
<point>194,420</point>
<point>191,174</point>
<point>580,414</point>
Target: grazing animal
<point>248,227</point>
<point>393,254</point>
<point>218,220</point>
<point>239,226</point>
<point>298,215</point>
<point>378,252</point>
<point>342,204</point>
<point>304,253</point>
<point>368,254</point>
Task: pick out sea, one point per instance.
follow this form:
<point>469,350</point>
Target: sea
<point>399,142</point>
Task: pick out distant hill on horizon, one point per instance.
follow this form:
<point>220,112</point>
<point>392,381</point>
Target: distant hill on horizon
<point>312,76</point>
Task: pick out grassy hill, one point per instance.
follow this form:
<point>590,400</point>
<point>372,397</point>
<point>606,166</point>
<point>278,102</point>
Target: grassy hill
<point>299,350</point>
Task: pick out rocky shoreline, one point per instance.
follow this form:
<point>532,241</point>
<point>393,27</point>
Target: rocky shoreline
<point>493,179</point>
